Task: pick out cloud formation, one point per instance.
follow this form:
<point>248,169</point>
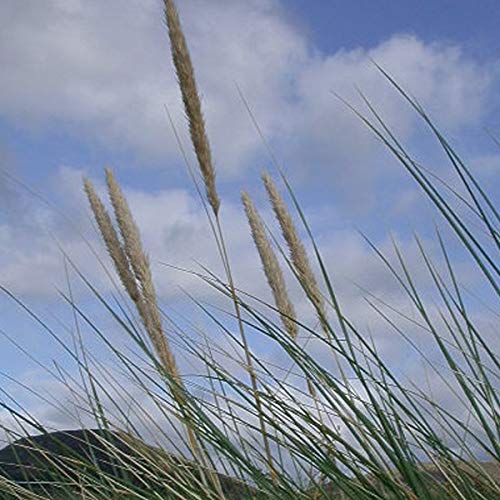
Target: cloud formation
<point>101,72</point>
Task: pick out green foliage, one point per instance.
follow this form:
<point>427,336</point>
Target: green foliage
<point>315,430</point>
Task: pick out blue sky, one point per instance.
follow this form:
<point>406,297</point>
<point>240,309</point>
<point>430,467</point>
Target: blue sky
<point>87,81</point>
<point>338,24</point>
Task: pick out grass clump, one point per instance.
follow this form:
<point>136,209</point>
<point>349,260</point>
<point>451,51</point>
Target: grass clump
<point>351,429</point>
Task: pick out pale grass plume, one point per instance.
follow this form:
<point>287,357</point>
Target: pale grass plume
<point>271,267</point>
<point>275,279</point>
<point>129,230</point>
<point>300,261</point>
<point>112,242</point>
<point>132,265</point>
<point>298,254</point>
<point>192,105</point>
<point>139,263</point>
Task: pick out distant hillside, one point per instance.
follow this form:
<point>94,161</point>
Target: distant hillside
<point>45,463</point>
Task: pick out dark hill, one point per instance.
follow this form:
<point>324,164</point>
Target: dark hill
<point>48,463</point>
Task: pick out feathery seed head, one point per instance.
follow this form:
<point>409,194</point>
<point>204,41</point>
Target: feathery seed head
<point>111,241</point>
<point>296,248</point>
<point>131,264</point>
<point>128,229</point>
<point>190,97</point>
<point>271,266</point>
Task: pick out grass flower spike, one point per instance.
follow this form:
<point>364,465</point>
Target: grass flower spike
<point>296,248</point>
<point>187,83</point>
<point>271,267</point>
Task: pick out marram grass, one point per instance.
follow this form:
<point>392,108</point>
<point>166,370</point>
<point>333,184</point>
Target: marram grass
<point>271,267</point>
<point>244,428</point>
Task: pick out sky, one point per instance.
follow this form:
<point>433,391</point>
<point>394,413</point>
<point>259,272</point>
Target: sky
<point>86,84</point>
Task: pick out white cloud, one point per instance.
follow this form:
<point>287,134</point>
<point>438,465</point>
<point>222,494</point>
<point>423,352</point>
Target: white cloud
<point>102,70</point>
<point>452,88</point>
<point>172,223</point>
